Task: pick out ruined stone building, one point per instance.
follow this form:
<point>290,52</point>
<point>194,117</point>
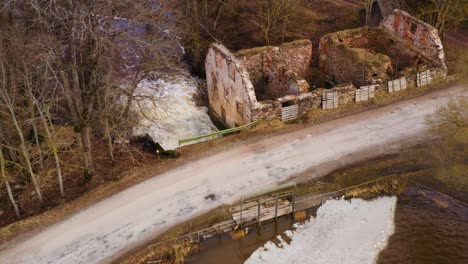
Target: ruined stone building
<point>400,44</point>
<point>256,83</point>
<point>270,82</point>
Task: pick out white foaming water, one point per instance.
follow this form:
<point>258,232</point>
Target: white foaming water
<point>168,111</point>
<point>344,232</point>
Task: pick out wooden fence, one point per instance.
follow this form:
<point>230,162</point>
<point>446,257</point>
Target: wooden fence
<point>330,100</point>
<point>397,85</point>
<point>365,93</point>
<point>289,113</point>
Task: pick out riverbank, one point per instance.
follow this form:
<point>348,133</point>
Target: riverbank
<point>429,227</point>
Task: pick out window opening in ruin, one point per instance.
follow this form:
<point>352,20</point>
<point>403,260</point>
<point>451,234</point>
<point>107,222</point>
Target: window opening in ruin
<point>223,114</point>
<point>218,59</point>
<point>261,89</point>
<point>240,107</point>
<point>215,81</point>
<point>413,28</point>
<point>226,92</point>
<point>374,75</point>
<point>288,103</point>
<point>232,70</point>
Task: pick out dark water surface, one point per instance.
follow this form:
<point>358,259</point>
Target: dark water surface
<point>228,251</point>
<point>429,228</point>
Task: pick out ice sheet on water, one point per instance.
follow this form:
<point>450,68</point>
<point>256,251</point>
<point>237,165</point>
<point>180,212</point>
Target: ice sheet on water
<point>348,232</point>
<point>168,110</point>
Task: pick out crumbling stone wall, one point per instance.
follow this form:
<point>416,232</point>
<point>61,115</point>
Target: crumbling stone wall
<point>423,37</point>
<point>270,68</point>
<point>230,80</point>
<point>374,55</point>
<point>346,93</point>
<point>346,56</point>
<point>266,110</point>
<point>230,92</point>
<point>309,101</point>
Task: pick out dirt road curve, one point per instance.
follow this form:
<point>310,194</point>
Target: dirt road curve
<point>106,230</point>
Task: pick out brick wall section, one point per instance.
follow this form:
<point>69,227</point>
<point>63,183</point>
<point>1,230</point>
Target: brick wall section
<point>374,55</point>
<point>268,66</point>
<point>346,56</point>
<point>346,93</point>
<point>420,34</point>
<point>230,92</point>
<point>267,110</point>
<point>309,101</point>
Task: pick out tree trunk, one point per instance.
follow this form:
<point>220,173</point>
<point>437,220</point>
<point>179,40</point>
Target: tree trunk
<point>50,134</point>
<point>38,144</point>
<point>88,158</point>
<point>7,184</point>
<point>442,17</point>
<point>82,131</point>
<point>130,94</point>
<point>109,139</point>
<point>103,109</point>
<point>27,159</point>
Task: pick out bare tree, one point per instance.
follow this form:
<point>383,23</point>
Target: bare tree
<point>274,17</point>
<point>81,38</point>
<point>8,90</point>
<point>46,120</point>
<point>442,14</point>
<point>448,153</point>
<point>7,183</point>
<point>368,6</point>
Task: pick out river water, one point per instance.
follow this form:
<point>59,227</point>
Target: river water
<point>428,228</point>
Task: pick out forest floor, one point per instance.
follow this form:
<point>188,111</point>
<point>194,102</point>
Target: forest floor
<point>219,172</point>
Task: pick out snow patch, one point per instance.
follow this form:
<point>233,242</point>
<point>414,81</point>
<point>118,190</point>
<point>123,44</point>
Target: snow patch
<point>344,231</point>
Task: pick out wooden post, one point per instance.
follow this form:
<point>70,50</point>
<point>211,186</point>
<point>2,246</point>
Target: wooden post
<point>258,212</point>
<point>241,207</point>
<point>293,202</point>
<point>276,208</point>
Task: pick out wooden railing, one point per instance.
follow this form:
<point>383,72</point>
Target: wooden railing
<point>190,141</point>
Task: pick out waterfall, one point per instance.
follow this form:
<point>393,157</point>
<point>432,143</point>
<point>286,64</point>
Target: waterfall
<point>168,110</point>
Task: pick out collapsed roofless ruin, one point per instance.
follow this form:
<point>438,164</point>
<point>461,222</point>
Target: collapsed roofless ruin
<point>270,82</point>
